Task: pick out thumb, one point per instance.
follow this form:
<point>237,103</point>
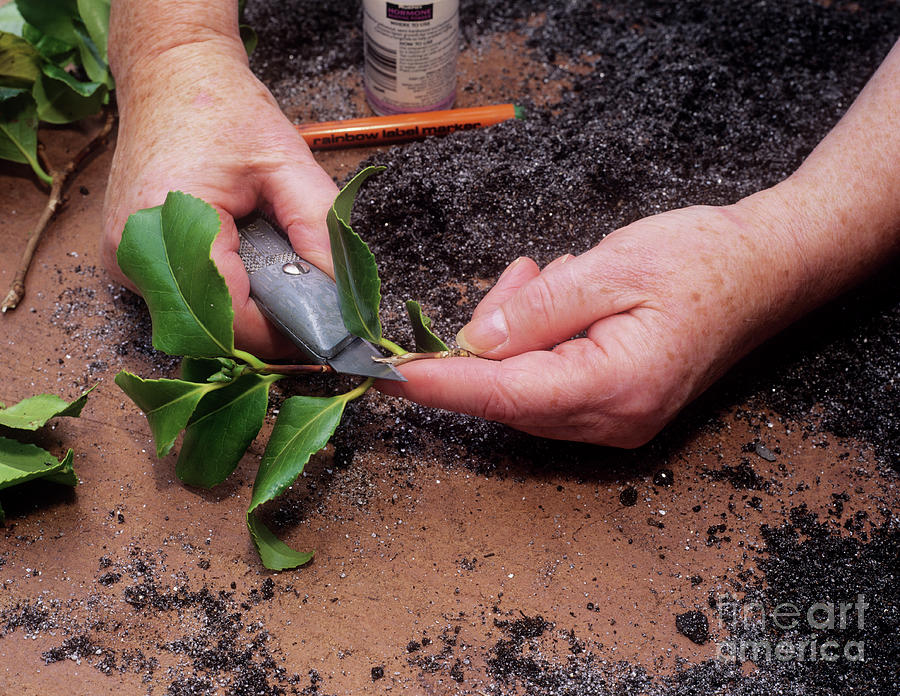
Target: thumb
<point>564,299</point>
<point>300,195</point>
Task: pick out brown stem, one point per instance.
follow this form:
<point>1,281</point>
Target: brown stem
<point>296,369</point>
<point>60,178</point>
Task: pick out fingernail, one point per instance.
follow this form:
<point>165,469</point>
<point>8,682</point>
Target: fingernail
<point>485,334</point>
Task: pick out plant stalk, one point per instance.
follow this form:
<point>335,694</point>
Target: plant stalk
<point>59,179</point>
<point>391,346</point>
<point>359,391</point>
<point>291,370</point>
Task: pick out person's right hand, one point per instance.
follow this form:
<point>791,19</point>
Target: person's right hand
<point>194,118</point>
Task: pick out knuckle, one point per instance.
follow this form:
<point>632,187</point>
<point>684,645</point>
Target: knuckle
<point>540,300</point>
<point>501,403</point>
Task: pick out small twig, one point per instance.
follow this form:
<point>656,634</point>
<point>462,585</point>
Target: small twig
<point>408,357</point>
<point>60,178</point>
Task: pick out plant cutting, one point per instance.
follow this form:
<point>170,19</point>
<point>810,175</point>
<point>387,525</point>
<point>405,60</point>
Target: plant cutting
<point>53,69</point>
<point>221,397</point>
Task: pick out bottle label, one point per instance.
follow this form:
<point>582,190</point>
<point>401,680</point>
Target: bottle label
<point>411,51</point>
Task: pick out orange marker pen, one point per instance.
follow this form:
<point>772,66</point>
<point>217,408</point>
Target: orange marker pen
<point>394,128</point>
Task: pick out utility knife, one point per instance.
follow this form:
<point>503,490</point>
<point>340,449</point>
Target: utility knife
<point>302,301</point>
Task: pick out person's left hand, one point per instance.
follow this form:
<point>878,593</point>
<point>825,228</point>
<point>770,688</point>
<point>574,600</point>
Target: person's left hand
<point>667,303</point>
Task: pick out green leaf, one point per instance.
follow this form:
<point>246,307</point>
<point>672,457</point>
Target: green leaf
<point>61,98</point>
<point>165,253</point>
<point>359,287</point>
<point>304,426</point>
<point>11,20</point>
<point>20,63</point>
<point>95,15</point>
<point>21,462</point>
<point>167,403</point>
<point>54,18</point>
<point>274,553</point>
<point>18,133</point>
<point>199,369</point>
<point>10,92</point>
<point>34,412</point>
<point>94,65</point>
<point>51,48</point>
<point>221,429</point>
<point>249,38</point>
<point>426,341</point>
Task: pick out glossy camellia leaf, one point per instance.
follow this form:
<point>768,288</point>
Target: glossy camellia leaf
<point>359,287</point>
<point>20,63</point>
<point>94,65</point>
<point>54,18</point>
<point>199,369</point>
<point>18,133</point>
<point>165,253</point>
<point>426,340</point>
<point>221,429</point>
<point>34,412</point>
<point>167,403</point>
<point>60,98</point>
<point>95,15</point>
<point>21,462</point>
<point>304,426</point>
<point>273,552</point>
<point>52,49</point>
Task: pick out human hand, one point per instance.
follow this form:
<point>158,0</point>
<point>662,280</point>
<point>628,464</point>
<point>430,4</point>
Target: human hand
<point>668,303</point>
<point>194,118</point>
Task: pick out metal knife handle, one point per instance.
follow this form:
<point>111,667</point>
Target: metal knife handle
<point>297,297</point>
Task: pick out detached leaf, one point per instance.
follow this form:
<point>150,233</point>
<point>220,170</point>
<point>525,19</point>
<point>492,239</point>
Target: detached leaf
<point>18,133</point>
<point>167,403</point>
<point>34,412</point>
<point>20,63</point>
<point>21,462</point>
<point>426,341</point>
<point>359,287</point>
<point>221,429</point>
<point>61,98</point>
<point>304,426</point>
<point>274,553</point>
<point>165,253</point>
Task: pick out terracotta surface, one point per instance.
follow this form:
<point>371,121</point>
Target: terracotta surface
<point>406,546</point>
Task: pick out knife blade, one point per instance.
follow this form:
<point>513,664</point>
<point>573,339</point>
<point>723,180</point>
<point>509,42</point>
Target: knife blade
<point>302,301</point>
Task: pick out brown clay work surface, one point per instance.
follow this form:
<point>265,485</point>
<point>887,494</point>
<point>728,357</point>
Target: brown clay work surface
<point>452,556</point>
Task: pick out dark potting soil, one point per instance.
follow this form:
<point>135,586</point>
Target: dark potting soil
<point>804,567</point>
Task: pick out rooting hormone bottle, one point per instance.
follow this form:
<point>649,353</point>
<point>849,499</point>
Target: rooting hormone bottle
<point>411,50</point>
